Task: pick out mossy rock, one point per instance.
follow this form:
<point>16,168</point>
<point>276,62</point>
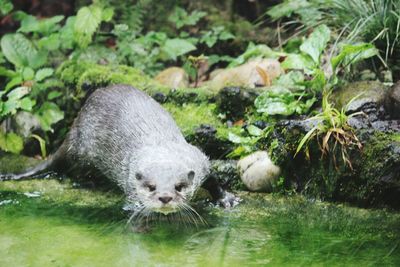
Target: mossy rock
<point>86,76</point>
<point>201,126</point>
<point>373,181</point>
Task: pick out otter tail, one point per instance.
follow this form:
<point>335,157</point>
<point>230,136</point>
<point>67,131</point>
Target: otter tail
<point>29,172</point>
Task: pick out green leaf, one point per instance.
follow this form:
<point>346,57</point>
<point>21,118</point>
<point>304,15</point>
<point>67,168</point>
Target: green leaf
<point>280,101</point>
<point>316,42</point>
<point>86,23</point>
<point>181,18</point>
<point>53,95</point>
<point>7,72</point>
<point>177,47</point>
<point>107,14</point>
<point>298,62</point>
<point>21,52</point>
<point>254,131</point>
<point>28,74</point>
<point>305,139</point>
<point>292,80</point>
<point>5,7</point>
<point>27,104</point>
<point>225,35</point>
<point>42,144</point>
<point>48,114</point>
<point>352,53</point>
<point>238,139</point>
<point>318,83</point>
<point>11,142</point>
<point>18,93</point>
<point>44,26</point>
<point>67,38</point>
<point>43,74</point>
<point>286,8</point>
<point>254,51</point>
<point>50,43</point>
<point>17,80</point>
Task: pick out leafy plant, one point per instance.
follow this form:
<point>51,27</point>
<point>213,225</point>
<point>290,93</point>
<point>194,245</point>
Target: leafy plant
<point>181,18</point>
<point>217,33</point>
<point>5,7</point>
<point>281,101</point>
<point>249,142</point>
<point>87,22</point>
<point>376,22</point>
<point>332,132</point>
<point>192,66</point>
<point>28,71</point>
<point>294,93</point>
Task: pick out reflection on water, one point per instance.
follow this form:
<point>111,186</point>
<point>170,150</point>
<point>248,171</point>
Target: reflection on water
<point>67,226</point>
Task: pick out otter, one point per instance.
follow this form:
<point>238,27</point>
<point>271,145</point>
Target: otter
<point>125,135</point>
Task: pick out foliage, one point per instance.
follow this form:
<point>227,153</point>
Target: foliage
<point>254,51</point>
<point>248,141</point>
<point>281,101</point>
<point>152,50</point>
<point>10,142</point>
<point>336,133</point>
<point>5,7</point>
<point>376,22</point>
<point>295,92</point>
<point>181,18</point>
<point>87,22</point>
<point>301,91</point>
<point>192,66</point>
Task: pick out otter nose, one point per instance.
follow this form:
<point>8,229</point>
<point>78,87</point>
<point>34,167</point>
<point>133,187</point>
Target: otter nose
<point>165,200</point>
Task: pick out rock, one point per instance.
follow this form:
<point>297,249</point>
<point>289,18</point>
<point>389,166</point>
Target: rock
<point>368,97</point>
<point>373,181</point>
<point>225,172</point>
<point>205,137</point>
<point>258,172</point>
<point>214,73</point>
<point>233,101</point>
<point>258,72</point>
<point>24,123</point>
<point>173,77</point>
<point>160,97</point>
<point>393,101</point>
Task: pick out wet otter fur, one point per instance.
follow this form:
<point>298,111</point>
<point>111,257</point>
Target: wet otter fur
<point>128,137</point>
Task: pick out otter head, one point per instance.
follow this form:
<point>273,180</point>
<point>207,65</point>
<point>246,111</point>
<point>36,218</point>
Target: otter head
<point>164,189</point>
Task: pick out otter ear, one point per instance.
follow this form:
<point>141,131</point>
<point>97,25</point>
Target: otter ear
<point>139,176</point>
<point>191,175</point>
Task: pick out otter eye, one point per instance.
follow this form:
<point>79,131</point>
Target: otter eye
<point>179,187</point>
<point>151,187</point>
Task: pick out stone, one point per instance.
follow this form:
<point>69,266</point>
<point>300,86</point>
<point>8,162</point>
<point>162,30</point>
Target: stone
<point>258,172</point>
<point>225,172</point>
<point>393,101</point>
<point>258,72</point>
<point>366,96</point>
<point>173,77</point>
<point>24,123</point>
<point>233,101</point>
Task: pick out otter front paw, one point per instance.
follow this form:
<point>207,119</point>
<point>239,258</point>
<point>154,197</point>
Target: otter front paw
<point>228,200</point>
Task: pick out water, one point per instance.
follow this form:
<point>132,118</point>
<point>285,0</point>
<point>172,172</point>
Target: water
<point>56,223</point>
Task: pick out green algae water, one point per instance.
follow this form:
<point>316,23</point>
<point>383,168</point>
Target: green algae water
<point>54,222</point>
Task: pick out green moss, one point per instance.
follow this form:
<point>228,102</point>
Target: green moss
<point>10,163</point>
<point>396,137</point>
<point>84,75</point>
<point>196,95</point>
<point>190,116</point>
